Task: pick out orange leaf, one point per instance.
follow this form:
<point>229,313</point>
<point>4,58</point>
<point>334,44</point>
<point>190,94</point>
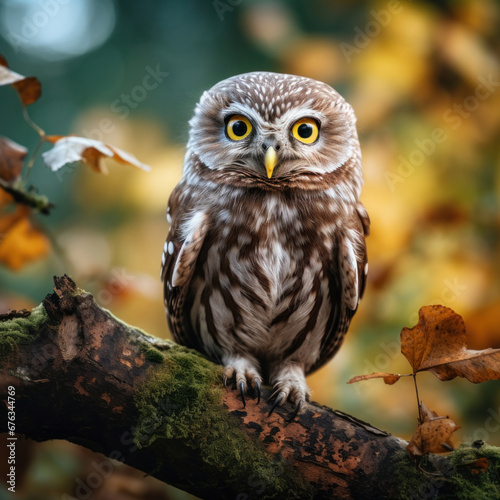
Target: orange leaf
<point>20,242</point>
<point>11,159</point>
<point>480,465</point>
<point>389,378</point>
<point>68,149</point>
<point>28,88</point>
<point>438,343</point>
<point>5,198</point>
<point>7,221</point>
<point>54,138</point>
<point>432,435</point>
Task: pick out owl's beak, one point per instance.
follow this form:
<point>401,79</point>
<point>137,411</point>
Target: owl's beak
<point>270,161</point>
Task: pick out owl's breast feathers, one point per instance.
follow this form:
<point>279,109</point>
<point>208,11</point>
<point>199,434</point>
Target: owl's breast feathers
<point>275,274</point>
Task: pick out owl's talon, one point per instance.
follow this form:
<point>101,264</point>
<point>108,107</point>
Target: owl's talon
<point>273,395</point>
<point>241,386</point>
<point>245,373</point>
<point>279,399</point>
<point>225,380</point>
<point>296,410</point>
<point>258,387</point>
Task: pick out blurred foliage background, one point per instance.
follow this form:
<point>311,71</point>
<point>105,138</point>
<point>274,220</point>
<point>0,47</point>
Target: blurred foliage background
<point>424,80</point>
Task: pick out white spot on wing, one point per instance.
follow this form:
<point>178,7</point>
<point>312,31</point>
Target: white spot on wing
<point>193,223</point>
<point>350,276</point>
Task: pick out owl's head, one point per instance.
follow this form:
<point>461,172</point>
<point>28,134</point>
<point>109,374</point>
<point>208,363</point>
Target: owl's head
<point>272,130</point>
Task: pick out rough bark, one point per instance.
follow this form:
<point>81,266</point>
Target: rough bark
<point>82,375</point>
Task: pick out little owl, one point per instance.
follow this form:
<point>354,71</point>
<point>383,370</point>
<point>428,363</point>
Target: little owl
<point>265,261</point>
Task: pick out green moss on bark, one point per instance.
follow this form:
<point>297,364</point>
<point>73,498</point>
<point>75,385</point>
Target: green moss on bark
<point>183,399</point>
<point>152,354</point>
<point>470,481</point>
<point>460,477</point>
<point>21,331</point>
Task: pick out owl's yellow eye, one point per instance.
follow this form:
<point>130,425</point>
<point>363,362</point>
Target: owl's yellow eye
<point>238,127</point>
<point>306,130</point>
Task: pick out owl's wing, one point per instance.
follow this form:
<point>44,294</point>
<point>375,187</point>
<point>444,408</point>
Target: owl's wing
<point>180,253</point>
<point>348,271</point>
<point>362,230</point>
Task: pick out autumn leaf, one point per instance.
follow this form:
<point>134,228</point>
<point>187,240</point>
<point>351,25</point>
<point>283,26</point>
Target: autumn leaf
<point>70,149</point>
<point>11,159</point>
<point>20,241</point>
<point>389,378</point>
<point>426,415</point>
<point>479,465</point>
<point>438,343</point>
<point>5,198</point>
<point>432,435</point>
<point>28,88</point>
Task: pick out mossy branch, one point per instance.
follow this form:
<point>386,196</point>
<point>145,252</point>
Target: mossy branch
<point>26,197</point>
<point>82,375</point>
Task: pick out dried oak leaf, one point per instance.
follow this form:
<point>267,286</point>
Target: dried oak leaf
<point>425,414</point>
<point>11,159</point>
<point>438,344</point>
<point>28,88</point>
<point>389,378</point>
<point>68,149</point>
<point>20,241</point>
<point>432,435</point>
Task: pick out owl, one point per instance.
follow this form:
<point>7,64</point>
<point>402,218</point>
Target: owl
<point>265,261</point>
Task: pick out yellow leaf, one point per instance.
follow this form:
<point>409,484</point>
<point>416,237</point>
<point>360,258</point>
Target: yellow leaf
<point>20,241</point>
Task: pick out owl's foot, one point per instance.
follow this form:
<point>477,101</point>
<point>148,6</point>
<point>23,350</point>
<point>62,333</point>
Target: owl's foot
<point>243,370</point>
<point>289,383</point>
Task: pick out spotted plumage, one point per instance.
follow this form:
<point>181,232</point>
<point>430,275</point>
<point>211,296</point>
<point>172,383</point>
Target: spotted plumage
<point>265,260</point>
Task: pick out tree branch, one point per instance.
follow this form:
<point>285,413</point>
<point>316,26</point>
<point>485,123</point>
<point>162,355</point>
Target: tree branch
<point>25,197</point>
<point>82,375</point>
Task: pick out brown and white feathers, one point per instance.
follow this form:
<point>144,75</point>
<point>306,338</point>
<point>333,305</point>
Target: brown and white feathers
<point>265,260</point>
